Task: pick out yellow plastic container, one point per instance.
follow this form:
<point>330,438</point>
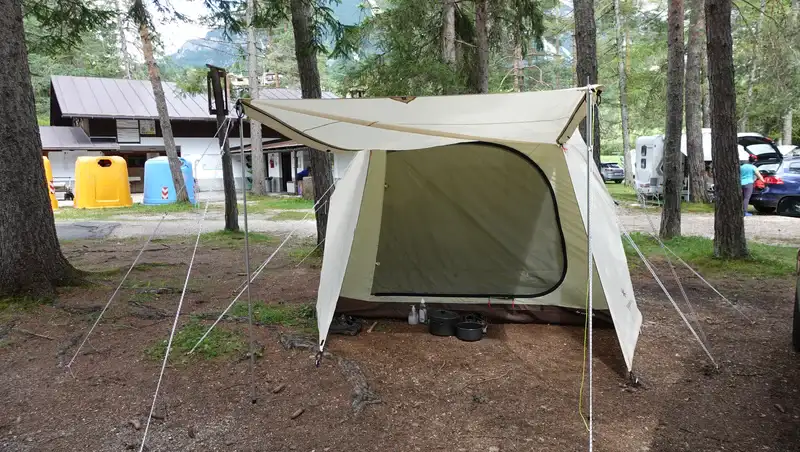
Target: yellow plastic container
<point>51,189</point>
<point>102,181</point>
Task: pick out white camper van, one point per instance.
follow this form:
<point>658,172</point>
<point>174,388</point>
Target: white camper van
<point>649,166</point>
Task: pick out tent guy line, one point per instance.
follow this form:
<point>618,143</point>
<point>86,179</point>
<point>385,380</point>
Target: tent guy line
<point>732,304</point>
<point>174,327</point>
<point>267,261</point>
<point>669,296</point>
<point>678,281</point>
<point>111,298</point>
<point>664,246</point>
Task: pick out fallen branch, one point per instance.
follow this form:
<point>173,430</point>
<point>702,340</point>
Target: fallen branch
<point>372,327</point>
<point>21,330</point>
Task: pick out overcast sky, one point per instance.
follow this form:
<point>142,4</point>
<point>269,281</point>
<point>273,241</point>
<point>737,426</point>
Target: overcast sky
<point>173,35</point>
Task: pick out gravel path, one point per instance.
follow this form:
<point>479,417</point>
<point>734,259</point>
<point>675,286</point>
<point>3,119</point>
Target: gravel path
<point>770,229</point>
<point>763,228</point>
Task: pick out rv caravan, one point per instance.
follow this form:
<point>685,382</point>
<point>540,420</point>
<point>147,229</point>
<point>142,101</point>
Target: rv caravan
<point>649,155</point>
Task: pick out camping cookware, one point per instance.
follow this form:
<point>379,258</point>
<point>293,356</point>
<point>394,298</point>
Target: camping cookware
<point>442,322</point>
<point>469,331</point>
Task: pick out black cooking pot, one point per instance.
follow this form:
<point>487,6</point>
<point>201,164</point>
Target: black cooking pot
<point>469,331</point>
<point>442,322</point>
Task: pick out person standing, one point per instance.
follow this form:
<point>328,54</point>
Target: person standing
<point>748,174</point>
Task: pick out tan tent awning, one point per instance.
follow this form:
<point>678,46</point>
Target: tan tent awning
<point>404,123</point>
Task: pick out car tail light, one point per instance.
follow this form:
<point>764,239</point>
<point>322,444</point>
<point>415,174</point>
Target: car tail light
<point>773,180</point>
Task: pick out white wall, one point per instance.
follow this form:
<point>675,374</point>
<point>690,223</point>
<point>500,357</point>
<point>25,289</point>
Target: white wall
<point>204,155</point>
<point>63,162</point>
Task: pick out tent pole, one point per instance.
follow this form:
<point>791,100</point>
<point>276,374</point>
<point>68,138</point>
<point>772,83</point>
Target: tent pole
<point>589,313</point>
<point>254,147</point>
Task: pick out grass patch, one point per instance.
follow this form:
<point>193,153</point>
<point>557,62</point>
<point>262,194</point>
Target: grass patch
<point>626,196</point>
<point>234,239</point>
<point>20,304</point>
<point>292,215</point>
<point>765,261</point>
<point>69,213</point>
<point>219,343</point>
<point>262,204</point>
<point>308,251</point>
<point>300,316</point>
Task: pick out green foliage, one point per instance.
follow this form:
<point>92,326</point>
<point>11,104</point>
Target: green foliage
<point>220,342</point>
<point>62,24</point>
<point>97,55</point>
<point>300,316</point>
<point>407,58</point>
<point>765,261</point>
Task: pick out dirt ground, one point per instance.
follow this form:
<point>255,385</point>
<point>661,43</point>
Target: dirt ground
<point>516,390</point>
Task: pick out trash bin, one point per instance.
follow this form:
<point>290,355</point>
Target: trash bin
<point>51,189</point>
<point>158,185</point>
<point>102,181</point>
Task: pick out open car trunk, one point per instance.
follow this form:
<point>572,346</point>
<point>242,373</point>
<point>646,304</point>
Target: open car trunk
<point>763,148</point>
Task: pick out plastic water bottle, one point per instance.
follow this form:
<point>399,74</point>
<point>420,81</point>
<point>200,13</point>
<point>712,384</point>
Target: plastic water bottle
<point>423,312</point>
<point>413,319</point>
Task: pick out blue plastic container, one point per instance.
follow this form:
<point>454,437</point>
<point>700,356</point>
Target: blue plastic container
<point>158,186</point>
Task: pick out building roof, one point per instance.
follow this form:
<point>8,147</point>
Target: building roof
<point>69,138</point>
<point>93,97</point>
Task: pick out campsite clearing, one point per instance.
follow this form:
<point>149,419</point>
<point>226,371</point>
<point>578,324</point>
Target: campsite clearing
<point>516,390</point>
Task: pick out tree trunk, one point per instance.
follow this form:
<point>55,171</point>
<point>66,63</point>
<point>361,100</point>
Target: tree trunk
<point>31,262</point>
<point>787,127</point>
<point>751,77</point>
<point>449,32</point>
<point>306,56</point>
<point>256,150</point>
<point>694,96</point>
<point>228,185</point>
<point>163,113</point>
<point>729,238</point>
<point>127,63</point>
<point>673,167</point>
<point>482,42</point>
<point>586,62</point>
<point>518,80</point>
<point>623,94</point>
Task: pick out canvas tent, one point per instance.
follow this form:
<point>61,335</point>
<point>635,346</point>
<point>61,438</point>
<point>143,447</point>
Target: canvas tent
<point>463,200</point>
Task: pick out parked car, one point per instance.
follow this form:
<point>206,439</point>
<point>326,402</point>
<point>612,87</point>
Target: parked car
<point>781,179</point>
<point>612,172</point>
<point>789,150</point>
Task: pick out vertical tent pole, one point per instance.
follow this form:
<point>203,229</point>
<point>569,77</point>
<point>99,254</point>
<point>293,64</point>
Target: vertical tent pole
<point>254,147</point>
<point>589,163</point>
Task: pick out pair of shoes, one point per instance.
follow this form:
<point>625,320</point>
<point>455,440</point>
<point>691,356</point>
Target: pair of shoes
<point>748,214</point>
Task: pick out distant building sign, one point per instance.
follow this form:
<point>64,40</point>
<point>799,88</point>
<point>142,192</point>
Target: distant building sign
<point>147,127</point>
<point>128,131</point>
